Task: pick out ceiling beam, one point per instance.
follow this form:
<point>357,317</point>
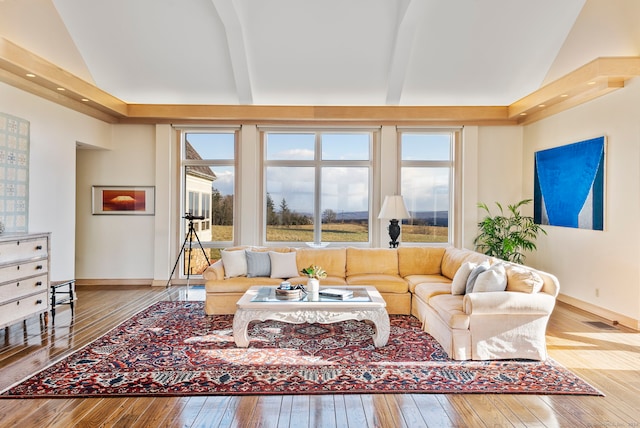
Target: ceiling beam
<point>593,80</point>
<point>597,78</point>
<point>409,12</point>
<point>49,81</point>
<point>237,49</point>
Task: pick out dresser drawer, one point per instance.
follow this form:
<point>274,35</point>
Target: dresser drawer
<point>23,308</point>
<point>21,249</point>
<point>23,270</point>
<point>22,287</point>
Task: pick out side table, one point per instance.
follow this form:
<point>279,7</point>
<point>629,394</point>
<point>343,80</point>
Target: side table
<point>62,293</point>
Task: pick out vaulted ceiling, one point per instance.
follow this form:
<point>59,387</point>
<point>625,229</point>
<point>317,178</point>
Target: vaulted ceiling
<point>321,53</point>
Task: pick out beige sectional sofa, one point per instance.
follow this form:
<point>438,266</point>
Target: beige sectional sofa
<point>422,281</point>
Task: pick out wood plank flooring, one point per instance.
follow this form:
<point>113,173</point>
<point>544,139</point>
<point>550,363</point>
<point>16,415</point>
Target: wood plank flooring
<point>609,359</point>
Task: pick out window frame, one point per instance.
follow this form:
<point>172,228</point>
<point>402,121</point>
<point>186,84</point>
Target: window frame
<point>183,194</point>
<point>318,164</point>
<point>455,178</point>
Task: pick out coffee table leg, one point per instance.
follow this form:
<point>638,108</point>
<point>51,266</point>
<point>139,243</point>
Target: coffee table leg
<point>381,320</point>
<point>240,324</point>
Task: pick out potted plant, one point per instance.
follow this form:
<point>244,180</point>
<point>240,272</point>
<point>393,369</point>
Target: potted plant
<point>315,274</point>
<point>507,236</point>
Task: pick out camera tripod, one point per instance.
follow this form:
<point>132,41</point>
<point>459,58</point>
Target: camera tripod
<point>189,239</point>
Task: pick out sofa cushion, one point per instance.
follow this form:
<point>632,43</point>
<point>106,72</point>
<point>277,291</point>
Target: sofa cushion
<point>449,308</point>
<point>427,290</point>
<point>459,283</point>
<point>372,260</point>
<point>332,260</point>
<point>473,276</point>
<point>492,279</point>
<point>329,280</point>
<point>454,258</point>
<point>234,262</point>
<point>383,283</point>
<point>258,263</point>
<point>414,280</point>
<point>419,260</point>
<point>283,265</point>
<point>239,284</point>
<point>524,280</point>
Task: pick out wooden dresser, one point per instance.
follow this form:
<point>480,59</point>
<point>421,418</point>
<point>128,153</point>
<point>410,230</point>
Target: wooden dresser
<point>24,276</point>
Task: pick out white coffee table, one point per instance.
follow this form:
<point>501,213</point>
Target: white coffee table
<point>260,304</point>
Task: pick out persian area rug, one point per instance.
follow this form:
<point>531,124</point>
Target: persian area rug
<point>173,349</point>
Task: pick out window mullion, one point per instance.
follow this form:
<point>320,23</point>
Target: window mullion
<point>317,216</point>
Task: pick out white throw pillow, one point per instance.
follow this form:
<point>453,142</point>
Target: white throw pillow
<point>459,282</point>
<point>283,265</point>
<point>523,280</point>
<point>234,262</point>
<point>492,279</point>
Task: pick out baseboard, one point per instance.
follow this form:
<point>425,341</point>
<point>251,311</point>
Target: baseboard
<point>140,281</point>
<point>601,312</point>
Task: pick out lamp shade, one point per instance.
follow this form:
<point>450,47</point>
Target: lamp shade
<point>393,207</point>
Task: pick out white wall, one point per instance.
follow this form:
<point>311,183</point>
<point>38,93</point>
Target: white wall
<point>52,199</point>
<point>492,172</point>
<point>116,246</point>
<point>605,260</point>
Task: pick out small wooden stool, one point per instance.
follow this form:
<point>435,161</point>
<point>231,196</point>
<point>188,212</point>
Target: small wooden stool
<point>62,293</point>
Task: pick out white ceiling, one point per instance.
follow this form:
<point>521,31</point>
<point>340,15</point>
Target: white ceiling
<point>322,52</point>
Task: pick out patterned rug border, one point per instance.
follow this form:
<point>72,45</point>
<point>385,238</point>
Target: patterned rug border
<point>582,388</point>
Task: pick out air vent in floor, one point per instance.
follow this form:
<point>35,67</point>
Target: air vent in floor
<point>600,325</point>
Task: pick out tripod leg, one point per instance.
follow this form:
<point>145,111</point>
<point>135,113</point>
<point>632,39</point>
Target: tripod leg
<point>204,253</point>
<point>178,259</point>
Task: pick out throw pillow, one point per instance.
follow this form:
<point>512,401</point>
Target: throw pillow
<point>474,275</point>
<point>523,280</point>
<point>459,282</point>
<point>283,265</point>
<point>492,279</point>
<point>234,262</point>
<point>258,264</point>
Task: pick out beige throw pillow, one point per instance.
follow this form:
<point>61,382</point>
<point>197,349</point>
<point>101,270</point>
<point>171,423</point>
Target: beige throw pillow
<point>523,280</point>
<point>459,282</point>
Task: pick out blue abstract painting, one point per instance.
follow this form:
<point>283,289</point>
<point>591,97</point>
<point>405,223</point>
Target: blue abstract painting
<point>569,185</point>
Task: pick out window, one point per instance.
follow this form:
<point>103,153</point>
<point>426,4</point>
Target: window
<point>426,183</point>
<point>318,186</point>
<point>208,159</point>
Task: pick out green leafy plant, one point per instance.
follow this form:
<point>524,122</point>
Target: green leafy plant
<point>314,271</point>
<point>507,236</point>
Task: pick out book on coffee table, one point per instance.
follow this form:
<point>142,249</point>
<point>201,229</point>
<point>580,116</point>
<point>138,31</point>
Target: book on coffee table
<point>336,293</point>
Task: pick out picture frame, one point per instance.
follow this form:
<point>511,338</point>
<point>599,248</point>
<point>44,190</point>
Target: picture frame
<point>569,185</point>
<point>123,200</point>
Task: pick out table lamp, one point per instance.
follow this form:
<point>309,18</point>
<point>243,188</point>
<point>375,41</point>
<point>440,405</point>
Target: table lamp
<point>394,209</point>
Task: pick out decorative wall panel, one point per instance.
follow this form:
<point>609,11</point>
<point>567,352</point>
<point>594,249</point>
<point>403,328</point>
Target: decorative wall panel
<point>14,173</point>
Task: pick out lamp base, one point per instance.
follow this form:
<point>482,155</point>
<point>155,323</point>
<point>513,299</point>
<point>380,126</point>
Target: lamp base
<point>394,233</point>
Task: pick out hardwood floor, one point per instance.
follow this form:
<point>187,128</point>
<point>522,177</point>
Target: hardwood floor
<point>609,359</point>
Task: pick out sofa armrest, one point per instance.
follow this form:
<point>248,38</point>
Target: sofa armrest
<point>508,302</point>
<point>215,271</point>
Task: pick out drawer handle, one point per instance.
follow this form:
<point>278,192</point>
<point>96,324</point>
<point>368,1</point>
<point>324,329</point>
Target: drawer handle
<point>38,284</point>
<point>39,247</point>
<point>17,284</point>
<point>38,302</point>
<point>38,267</point>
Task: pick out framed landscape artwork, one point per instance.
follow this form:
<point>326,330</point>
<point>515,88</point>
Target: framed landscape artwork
<point>569,185</point>
<point>123,200</point>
